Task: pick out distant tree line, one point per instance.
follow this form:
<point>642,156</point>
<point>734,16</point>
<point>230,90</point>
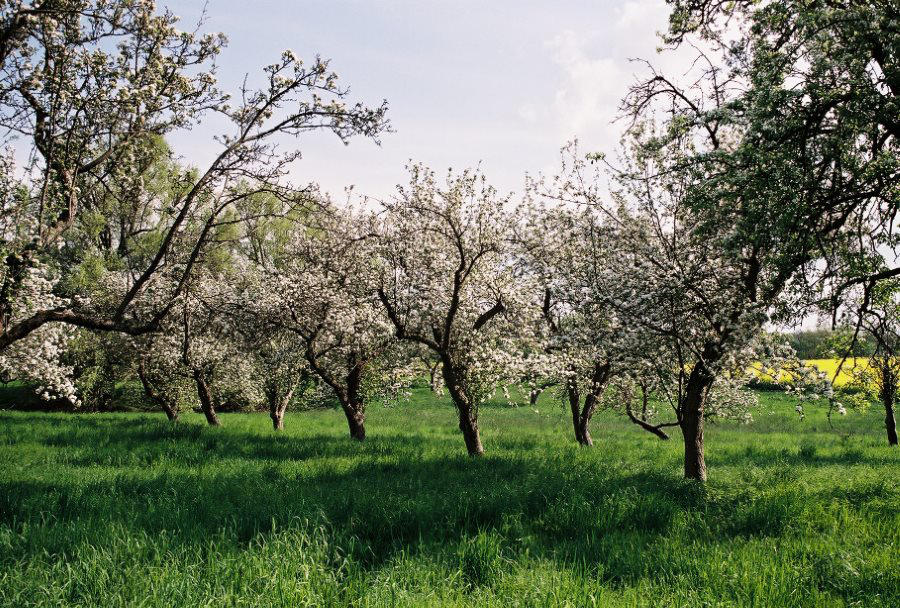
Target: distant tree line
<point>826,344</point>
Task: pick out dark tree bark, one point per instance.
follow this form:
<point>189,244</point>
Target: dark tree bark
<point>353,404</point>
<point>468,414</point>
<point>163,401</point>
<point>890,424</point>
<point>348,391</point>
<point>356,420</point>
<point>888,398</point>
<point>582,414</point>
<point>533,396</point>
<point>468,424</point>
<point>642,422</point>
<point>577,424</point>
<point>691,422</point>
<point>207,401</point>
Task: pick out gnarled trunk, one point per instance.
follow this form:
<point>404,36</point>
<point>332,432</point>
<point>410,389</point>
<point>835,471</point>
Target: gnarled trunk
<point>207,402</point>
<point>468,413</point>
<point>278,406</point>
<point>353,405</point>
<point>691,422</point>
<point>356,420</point>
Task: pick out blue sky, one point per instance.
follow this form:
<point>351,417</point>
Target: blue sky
<point>502,83</point>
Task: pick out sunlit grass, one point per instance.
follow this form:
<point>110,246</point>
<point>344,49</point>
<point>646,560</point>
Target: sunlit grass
<point>128,510</point>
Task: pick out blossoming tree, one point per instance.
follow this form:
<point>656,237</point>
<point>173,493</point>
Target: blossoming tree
<point>449,281</point>
<point>90,88</point>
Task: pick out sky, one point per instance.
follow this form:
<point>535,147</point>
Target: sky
<point>501,83</point>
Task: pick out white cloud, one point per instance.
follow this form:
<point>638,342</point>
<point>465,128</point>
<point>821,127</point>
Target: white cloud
<point>636,14</point>
<point>588,95</point>
<point>528,113</point>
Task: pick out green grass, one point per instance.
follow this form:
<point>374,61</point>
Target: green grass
<point>127,510</point>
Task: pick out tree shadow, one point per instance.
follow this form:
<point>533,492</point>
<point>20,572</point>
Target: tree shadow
<point>393,493</point>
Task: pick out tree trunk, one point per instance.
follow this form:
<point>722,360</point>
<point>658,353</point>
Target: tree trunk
<point>159,399</point>
<point>277,420</point>
<point>204,393</point>
<point>432,378</point>
<point>691,423</point>
<point>468,415</point>
<point>581,418</point>
<point>278,406</point>
<point>468,424</point>
<point>888,395</point>
<point>534,395</point>
<point>890,424</point>
<point>353,405</point>
<point>171,414</point>
<point>356,420</point>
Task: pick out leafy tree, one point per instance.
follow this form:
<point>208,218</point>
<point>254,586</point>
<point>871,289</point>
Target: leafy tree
<point>736,187</point>
<point>90,87</point>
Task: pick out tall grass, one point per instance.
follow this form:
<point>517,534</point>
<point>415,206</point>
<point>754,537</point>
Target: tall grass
<point>128,510</point>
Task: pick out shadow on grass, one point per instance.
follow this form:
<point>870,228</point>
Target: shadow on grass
<point>808,456</point>
<point>390,494</point>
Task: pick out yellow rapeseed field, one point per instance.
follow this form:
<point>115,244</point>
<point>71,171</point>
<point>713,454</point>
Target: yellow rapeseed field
<point>829,366</point>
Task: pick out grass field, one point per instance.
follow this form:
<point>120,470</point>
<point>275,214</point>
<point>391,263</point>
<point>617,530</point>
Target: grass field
<point>127,510</point>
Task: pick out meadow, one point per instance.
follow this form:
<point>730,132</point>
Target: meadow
<point>129,510</point>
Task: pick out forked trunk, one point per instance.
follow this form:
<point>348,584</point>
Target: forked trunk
<point>581,418</point>
<point>278,406</point>
<point>204,393</point>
